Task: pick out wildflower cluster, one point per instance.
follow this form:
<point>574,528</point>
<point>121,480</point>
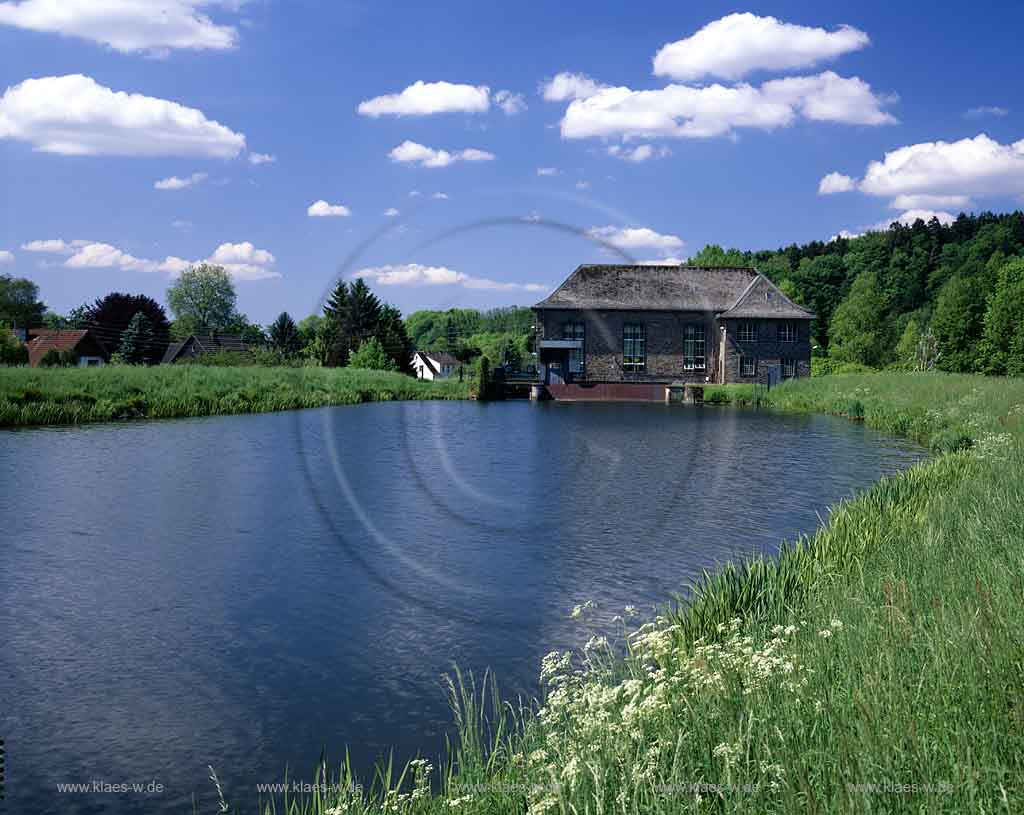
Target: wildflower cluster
<point>620,726</point>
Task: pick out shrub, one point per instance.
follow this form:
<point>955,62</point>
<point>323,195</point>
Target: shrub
<point>826,366</point>
<point>12,352</point>
<point>484,387</point>
<point>58,359</point>
<point>370,355</point>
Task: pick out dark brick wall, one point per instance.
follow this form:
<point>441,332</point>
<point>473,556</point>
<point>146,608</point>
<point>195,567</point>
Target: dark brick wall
<point>603,345</point>
<point>767,350</point>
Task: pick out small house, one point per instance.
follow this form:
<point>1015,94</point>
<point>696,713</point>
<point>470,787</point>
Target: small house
<point>434,364</point>
<point>197,345</point>
<point>81,345</point>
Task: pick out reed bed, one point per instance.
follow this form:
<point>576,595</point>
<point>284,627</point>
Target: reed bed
<point>110,393</point>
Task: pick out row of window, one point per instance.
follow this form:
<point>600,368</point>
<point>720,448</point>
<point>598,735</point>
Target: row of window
<point>746,331</point>
<point>748,366</point>
<point>634,346</point>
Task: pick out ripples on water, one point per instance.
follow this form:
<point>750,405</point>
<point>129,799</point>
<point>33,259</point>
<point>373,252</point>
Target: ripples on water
<point>244,591</point>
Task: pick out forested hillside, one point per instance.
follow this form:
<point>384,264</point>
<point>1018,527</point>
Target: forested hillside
<point>952,295</point>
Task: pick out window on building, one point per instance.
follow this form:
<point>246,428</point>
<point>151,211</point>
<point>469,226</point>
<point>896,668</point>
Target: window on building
<point>634,348</point>
<point>574,331</point>
<point>788,367</point>
<point>748,366</point>
<point>787,332</point>
<point>693,347</point>
<point>747,331</point>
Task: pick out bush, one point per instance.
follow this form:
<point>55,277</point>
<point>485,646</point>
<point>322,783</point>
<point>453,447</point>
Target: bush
<point>826,366</point>
<point>484,387</point>
<point>58,359</point>
<point>370,355</point>
<point>12,352</point>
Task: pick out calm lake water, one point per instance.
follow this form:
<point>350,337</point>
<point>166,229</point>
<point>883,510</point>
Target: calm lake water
<point>244,591</point>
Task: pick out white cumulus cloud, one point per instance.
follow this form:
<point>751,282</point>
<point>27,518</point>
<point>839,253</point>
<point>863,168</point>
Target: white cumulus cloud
<point>632,238</point>
<point>74,115</point>
<point>128,26</point>
<point>976,166</point>
<point>322,209</point>
<point>175,183</point>
<point>262,158</point>
<point>415,274</point>
<point>440,196</point>
<point>427,98</point>
<point>410,152</point>
<point>391,212</point>
<point>243,261</point>
<point>510,103</point>
<point>930,201</point>
<point>548,171</point>
<point>682,111</point>
<point>835,182</point>
<point>6,257</point>
<point>739,44</point>
<point>566,86</point>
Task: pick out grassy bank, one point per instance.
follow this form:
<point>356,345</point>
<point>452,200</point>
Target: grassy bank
<point>876,666</point>
<point>78,395</point>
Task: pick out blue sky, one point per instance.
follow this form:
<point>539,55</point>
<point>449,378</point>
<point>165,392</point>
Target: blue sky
<point>752,131</point>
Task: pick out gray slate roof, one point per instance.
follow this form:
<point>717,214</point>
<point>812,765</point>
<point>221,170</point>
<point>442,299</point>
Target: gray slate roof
<point>763,298</point>
<point>671,288</point>
<point>206,344</point>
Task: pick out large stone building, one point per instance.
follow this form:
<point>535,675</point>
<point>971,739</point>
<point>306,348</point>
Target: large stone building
<point>635,329</point>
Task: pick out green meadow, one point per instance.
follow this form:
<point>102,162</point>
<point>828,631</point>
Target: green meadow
<point>874,666</point>
<point>77,395</point>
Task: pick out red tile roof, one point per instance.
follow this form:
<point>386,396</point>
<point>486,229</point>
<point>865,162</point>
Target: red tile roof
<point>45,340</point>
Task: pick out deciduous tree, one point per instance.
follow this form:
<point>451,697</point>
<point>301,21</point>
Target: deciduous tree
<point>203,299</point>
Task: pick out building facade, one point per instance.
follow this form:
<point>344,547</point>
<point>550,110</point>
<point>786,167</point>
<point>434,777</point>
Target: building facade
<point>646,326</point>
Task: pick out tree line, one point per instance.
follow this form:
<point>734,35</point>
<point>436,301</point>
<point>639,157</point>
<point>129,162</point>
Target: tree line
<point>949,296</point>
<point>355,328</point>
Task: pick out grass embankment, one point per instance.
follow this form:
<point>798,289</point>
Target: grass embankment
<point>77,395</point>
<point>875,666</point>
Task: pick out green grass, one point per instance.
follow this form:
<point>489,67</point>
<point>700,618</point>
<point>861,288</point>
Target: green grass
<point>77,395</point>
<point>886,649</point>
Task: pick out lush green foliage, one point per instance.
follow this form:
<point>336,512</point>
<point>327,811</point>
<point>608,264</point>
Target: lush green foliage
<point>202,299</point>
<point>484,386</point>
<point>371,355</point>
<point>73,396</point>
<point>12,351</point>
<point>945,278</point>
<point>19,302</point>
<point>136,340</point>
<point>883,650</point>
<point>284,335</point>
<point>503,334</point>
<point>354,314</point>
